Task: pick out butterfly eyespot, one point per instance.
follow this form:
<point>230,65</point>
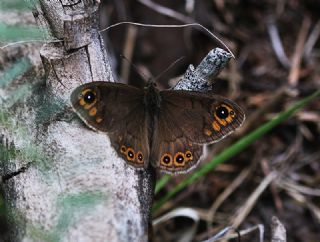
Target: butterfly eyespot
<point>140,157</point>
<point>130,154</point>
<point>222,112</point>
<point>87,99</point>
<point>89,96</point>
<point>189,155</point>
<point>166,160</point>
<point>179,159</point>
<point>123,149</point>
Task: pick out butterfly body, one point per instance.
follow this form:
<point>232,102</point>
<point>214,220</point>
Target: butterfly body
<point>165,128</point>
<point>152,98</point>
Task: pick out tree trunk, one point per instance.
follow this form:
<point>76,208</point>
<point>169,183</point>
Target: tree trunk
<point>61,180</point>
<point>64,181</point>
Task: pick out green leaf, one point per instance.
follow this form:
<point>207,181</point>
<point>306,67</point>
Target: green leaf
<point>161,183</point>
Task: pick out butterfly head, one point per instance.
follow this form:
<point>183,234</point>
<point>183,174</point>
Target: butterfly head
<point>150,85</point>
<point>152,98</point>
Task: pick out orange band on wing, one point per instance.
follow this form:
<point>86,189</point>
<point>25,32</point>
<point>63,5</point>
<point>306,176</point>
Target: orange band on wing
<point>216,126</point>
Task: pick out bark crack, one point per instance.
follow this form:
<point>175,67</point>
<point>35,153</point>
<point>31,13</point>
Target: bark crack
<point>23,169</point>
<point>89,62</point>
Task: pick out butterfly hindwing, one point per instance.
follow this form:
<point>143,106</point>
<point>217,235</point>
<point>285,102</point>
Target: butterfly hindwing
<point>171,151</point>
<point>118,110</point>
<point>177,156</point>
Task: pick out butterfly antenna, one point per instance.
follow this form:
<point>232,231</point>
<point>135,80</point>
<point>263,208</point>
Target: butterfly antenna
<point>144,76</point>
<point>195,25</point>
<point>169,67</point>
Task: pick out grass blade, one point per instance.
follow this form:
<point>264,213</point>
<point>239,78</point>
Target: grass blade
<point>161,183</point>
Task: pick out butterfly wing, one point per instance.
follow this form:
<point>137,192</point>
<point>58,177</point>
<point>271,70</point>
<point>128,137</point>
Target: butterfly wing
<point>172,152</point>
<point>186,121</point>
<point>204,118</point>
<point>119,110</point>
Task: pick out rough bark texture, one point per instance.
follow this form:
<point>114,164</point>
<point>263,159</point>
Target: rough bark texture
<point>63,181</point>
<point>73,187</point>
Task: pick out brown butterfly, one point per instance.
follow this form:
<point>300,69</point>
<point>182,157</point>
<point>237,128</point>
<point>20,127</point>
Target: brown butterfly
<point>166,128</point>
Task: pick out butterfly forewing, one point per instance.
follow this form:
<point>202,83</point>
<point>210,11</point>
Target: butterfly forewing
<point>203,118</point>
<point>119,110</point>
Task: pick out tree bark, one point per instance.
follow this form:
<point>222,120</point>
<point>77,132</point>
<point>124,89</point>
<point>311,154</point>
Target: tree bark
<point>64,181</point>
<point>61,180</point>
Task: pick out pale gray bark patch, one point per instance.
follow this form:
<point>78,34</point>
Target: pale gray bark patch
<point>76,188</point>
<point>70,185</point>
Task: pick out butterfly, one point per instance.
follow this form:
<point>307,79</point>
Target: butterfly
<point>166,128</point>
